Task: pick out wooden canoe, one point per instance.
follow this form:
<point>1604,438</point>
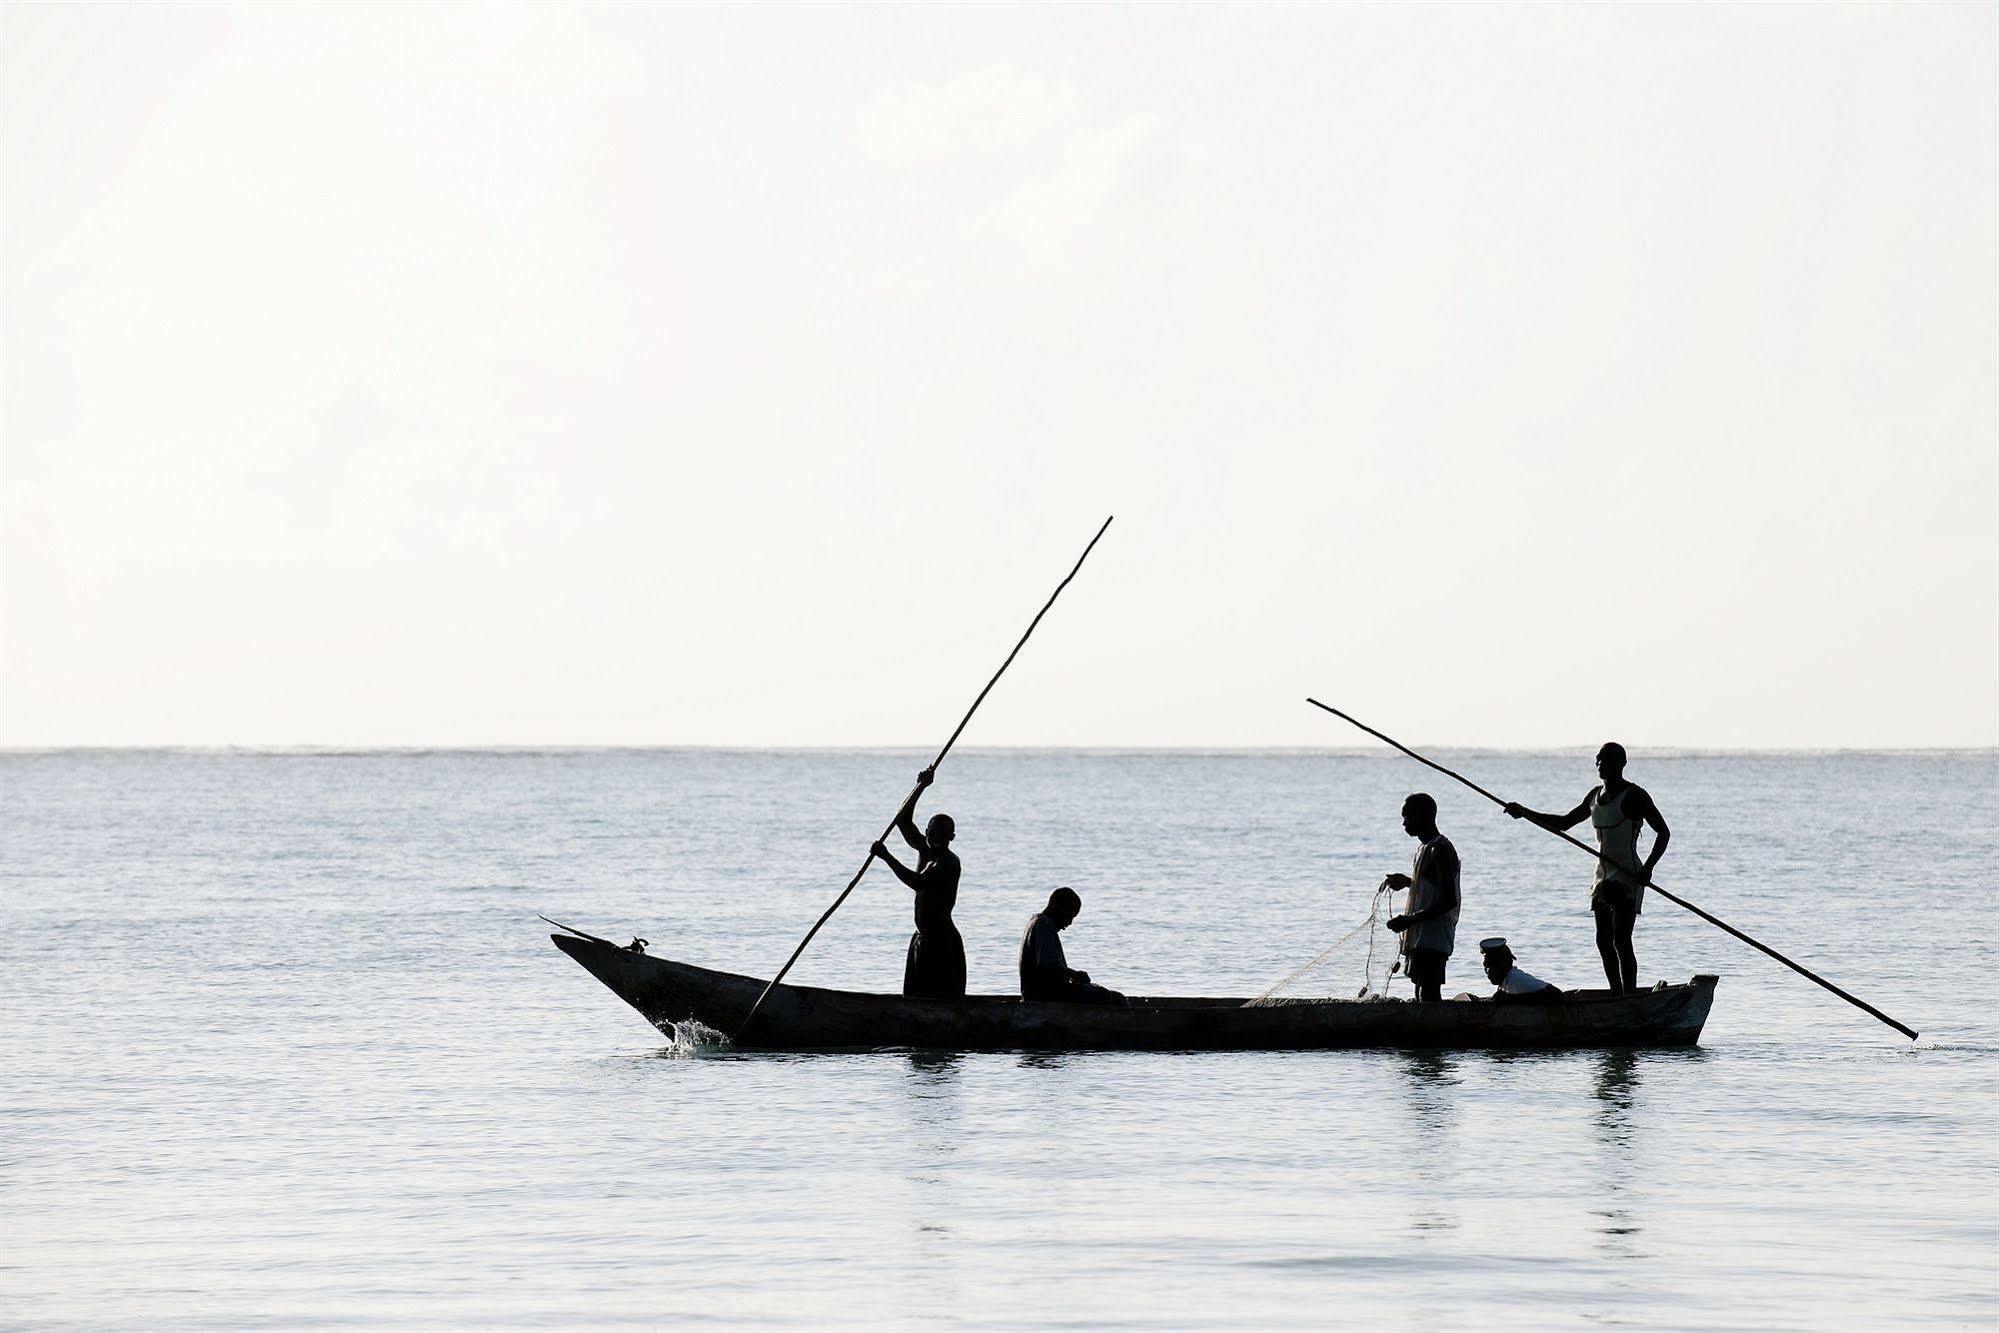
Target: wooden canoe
<point>809,1018</point>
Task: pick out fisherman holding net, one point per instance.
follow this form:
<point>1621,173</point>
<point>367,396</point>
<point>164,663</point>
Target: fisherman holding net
<point>1428,923</point>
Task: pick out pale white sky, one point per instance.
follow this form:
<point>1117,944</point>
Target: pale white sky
<point>1507,376</point>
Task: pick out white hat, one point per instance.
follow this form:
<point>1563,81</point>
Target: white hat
<point>1491,942</point>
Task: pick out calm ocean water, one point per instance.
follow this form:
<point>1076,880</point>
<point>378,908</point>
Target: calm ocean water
<point>284,1045</point>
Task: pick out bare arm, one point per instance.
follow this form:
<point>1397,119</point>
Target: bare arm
<point>1552,823</point>
<point>905,818</point>
<point>902,872</point>
<point>1660,833</point>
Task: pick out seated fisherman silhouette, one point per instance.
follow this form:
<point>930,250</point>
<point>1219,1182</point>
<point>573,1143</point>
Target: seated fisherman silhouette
<point>1045,973</point>
<point>1515,983</point>
<point>934,968</point>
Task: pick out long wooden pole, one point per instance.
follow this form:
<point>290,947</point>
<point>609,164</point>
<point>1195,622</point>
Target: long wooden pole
<point>1706,916</point>
<point>957,732</point>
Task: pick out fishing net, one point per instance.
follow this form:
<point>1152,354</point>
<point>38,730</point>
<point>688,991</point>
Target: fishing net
<point>1359,965</point>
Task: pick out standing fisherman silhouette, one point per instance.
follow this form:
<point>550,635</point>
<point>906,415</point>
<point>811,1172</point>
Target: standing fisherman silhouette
<point>1429,920</point>
<point>935,969</point>
<point>1615,808</point>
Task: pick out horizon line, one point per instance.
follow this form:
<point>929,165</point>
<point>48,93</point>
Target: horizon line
<point>310,749</point>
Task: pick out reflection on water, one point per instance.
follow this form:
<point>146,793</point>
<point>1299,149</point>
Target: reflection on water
<point>1621,1123</point>
<point>934,1072</point>
<point>934,1105</point>
<point>1616,1122</point>
<point>1430,1134</point>
<point>1616,1089</point>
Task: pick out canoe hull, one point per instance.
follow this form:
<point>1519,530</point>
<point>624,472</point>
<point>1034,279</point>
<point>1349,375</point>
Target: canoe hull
<point>669,993</point>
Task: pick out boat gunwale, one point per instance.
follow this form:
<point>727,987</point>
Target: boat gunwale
<point>1146,1003</point>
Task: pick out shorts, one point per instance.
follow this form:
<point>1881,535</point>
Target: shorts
<point>1615,896</point>
<point>1426,966</point>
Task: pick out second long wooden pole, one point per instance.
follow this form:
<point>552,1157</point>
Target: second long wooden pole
<point>1706,916</point>
<point>869,860</point>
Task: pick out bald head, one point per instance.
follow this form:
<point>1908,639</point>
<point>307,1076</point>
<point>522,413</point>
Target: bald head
<point>1610,760</point>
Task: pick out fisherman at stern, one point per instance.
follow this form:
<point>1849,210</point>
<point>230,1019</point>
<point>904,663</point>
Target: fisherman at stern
<point>1615,809</point>
<point>935,969</point>
<point>1429,920</point>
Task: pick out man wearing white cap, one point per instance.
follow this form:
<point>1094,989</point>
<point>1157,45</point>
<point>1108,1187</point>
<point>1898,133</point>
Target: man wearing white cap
<point>1514,981</point>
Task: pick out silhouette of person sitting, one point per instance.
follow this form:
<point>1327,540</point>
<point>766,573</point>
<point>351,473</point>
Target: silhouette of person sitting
<point>1515,983</point>
<point>935,967</point>
<point>1045,973</point>
<point>1615,809</point>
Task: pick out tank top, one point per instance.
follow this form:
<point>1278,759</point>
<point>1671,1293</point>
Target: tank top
<point>1433,874</point>
<point>1617,839</point>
